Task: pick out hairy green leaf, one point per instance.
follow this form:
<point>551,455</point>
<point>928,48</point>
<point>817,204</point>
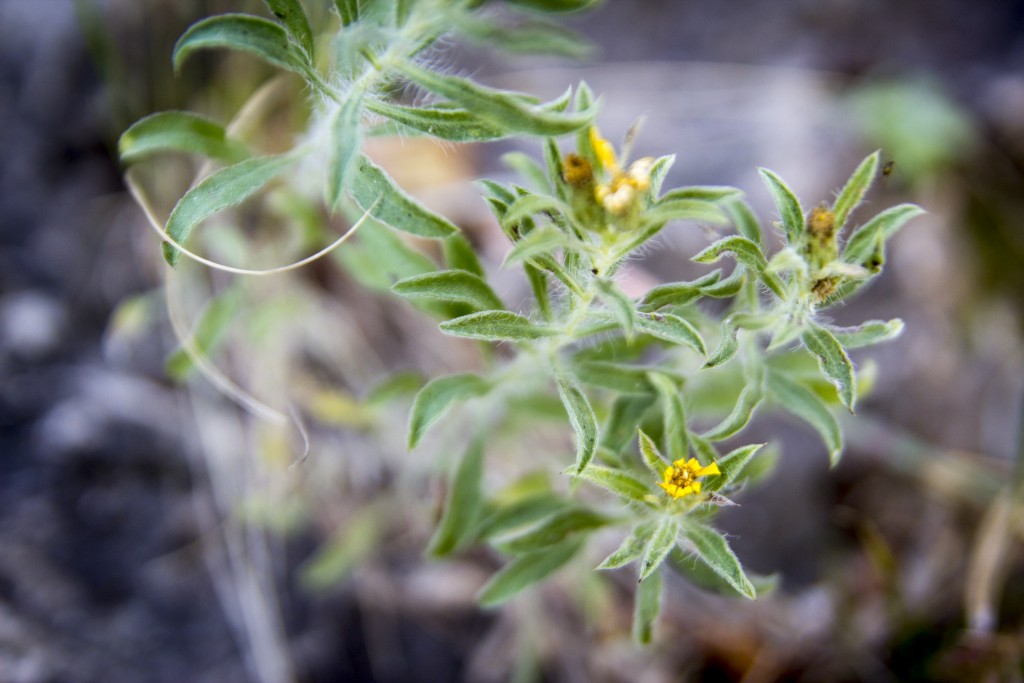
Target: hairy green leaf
<point>178,131</point>
<point>716,553</point>
<point>447,123</point>
<point>221,190</point>
<point>616,481</point>
<point>787,204</point>
<point>209,332</point>
<point>745,221</point>
<point>744,409</point>
<point>731,465</point>
<point>502,108</point>
<point>495,326</point>
<point>582,419</point>
<point>861,246</point>
<point>833,361</point>
<point>255,35</point>
<point>344,148</point>
<point>437,396</point>
<point>620,305</point>
<point>806,405</point>
<point>377,193</point>
<point>747,253</point>
<point>671,328</point>
<point>348,10</point>
<point>650,454</point>
<point>555,529</point>
<point>678,293</point>
<point>706,193</point>
<point>619,377</point>
<point>291,14</point>
<point>462,511</point>
<point>647,608</point>
<point>526,570</point>
<point>450,285</point>
<point>673,416</point>
<point>853,192</point>
<point>662,541</point>
<point>868,334</point>
<point>513,515</point>
<point>631,549</point>
<point>460,254</point>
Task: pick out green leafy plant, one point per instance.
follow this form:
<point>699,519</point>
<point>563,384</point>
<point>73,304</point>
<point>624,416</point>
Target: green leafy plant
<point>625,370</point>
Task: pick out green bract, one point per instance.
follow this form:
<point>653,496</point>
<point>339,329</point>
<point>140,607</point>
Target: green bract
<point>622,370</point>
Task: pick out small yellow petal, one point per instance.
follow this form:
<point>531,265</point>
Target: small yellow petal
<point>603,149</point>
<point>669,472</point>
<point>709,470</point>
<point>696,486</point>
<point>681,463</point>
<point>685,491</point>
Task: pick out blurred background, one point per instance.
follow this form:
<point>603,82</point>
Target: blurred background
<point>152,531</point>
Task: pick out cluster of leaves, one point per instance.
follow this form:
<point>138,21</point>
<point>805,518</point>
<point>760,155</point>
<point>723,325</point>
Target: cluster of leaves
<point>624,368</point>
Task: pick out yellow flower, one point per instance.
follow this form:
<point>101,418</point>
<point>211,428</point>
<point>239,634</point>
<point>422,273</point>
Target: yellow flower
<point>681,477</point>
<point>619,194</point>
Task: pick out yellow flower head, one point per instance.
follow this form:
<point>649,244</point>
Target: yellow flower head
<point>623,188</point>
<point>681,477</point>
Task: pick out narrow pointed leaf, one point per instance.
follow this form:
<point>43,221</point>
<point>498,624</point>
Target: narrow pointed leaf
<point>806,405</point>
<point>526,570</point>
<point>291,14</point>
<point>729,287</point>
<point>450,285</point>
<point>502,108</point>
<point>662,541</point>
<point>678,293</point>
<point>255,35</point>
<point>671,328</point>
<point>374,191</point>
<point>538,242</point>
<point>348,10</point>
<point>651,456</point>
<point>745,221</point>
<point>746,252</point>
<point>463,508</point>
<point>863,242</point>
<point>716,553</point>
<point>620,305</point>
<point>659,171</point>
<point>345,141</point>
<point>221,190</point>
<point>554,530</point>
<point>787,204</point>
<point>699,210</point>
<point>541,293</point>
<point>529,205</point>
<point>833,361</point>
<point>868,334</point>
<point>647,608</point>
<point>618,482</point>
<point>673,417</point>
<point>731,466</point>
<point>619,377</point>
<point>582,419</point>
<point>518,514</point>
<point>437,396</point>
<point>853,192</point>
<point>744,409</point>
<point>631,549</point>
<point>496,326</point>
<point>448,123</point>
<point>619,427</point>
<point>459,254</point>
<point>178,131</point>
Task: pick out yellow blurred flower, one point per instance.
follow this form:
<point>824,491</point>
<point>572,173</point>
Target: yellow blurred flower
<point>681,477</point>
<point>619,194</point>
